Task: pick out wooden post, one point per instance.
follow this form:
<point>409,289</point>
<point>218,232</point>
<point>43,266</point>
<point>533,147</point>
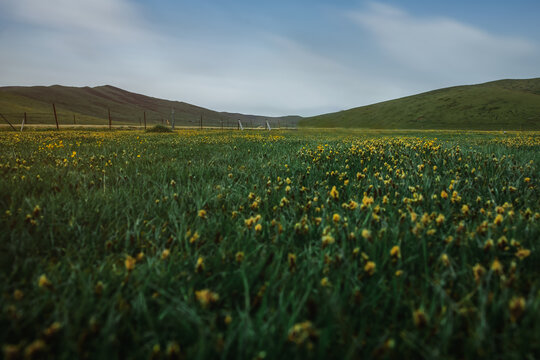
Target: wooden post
<point>110,122</point>
<point>74,122</point>
<point>6,120</point>
<point>55,117</point>
<point>201,122</point>
<point>145,120</point>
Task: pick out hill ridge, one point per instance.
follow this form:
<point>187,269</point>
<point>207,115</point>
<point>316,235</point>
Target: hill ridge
<point>509,104</point>
<point>90,105</point>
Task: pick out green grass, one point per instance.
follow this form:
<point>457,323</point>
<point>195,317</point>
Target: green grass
<point>74,205</point>
<point>498,105</point>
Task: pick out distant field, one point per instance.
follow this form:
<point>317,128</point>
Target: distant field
<point>292,244</point>
<point>497,105</point>
<point>91,106</point>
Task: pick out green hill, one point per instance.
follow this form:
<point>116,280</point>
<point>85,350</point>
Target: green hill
<point>497,105</point>
<point>91,105</point>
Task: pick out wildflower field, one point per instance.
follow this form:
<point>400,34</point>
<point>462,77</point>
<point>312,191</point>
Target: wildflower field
<point>252,244</point>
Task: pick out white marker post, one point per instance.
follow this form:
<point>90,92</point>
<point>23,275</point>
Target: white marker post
<point>23,122</point>
<point>240,125</point>
<point>268,126</point>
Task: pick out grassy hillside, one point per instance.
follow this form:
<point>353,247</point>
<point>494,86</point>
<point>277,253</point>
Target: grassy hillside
<point>504,104</point>
<point>90,106</point>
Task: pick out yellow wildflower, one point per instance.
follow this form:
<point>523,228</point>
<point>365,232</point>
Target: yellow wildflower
<point>194,237</point>
<point>44,282</point>
<point>445,260</point>
<point>497,267</point>
<point>366,234</point>
<point>291,259</point>
<point>440,219</point>
<point>199,267</point>
<point>420,318</point>
<point>129,263</point>
<point>395,252</point>
<point>302,332</point>
<point>206,297</point>
<point>370,267</point>
<point>334,193</point>
<point>523,253</point>
<point>165,254</point>
<point>478,271</point>
<point>18,295</point>
<point>325,282</point>
<point>367,200</point>
<point>517,307</point>
<point>327,240</point>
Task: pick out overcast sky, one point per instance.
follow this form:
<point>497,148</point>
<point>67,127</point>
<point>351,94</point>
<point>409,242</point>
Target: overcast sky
<point>275,57</point>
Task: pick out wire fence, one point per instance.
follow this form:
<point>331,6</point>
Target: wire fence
<point>144,119</point>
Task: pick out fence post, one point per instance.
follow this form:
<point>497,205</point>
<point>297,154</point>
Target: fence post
<point>110,122</point>
<point>144,120</point>
<point>201,122</point>
<point>23,121</point>
<point>8,122</point>
<point>55,117</point>
<point>74,122</point>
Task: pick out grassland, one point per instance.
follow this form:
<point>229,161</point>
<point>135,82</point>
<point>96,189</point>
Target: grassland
<point>210,244</point>
<point>501,105</point>
<point>90,106</point>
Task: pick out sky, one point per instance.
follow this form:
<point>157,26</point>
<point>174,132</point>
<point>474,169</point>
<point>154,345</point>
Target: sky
<point>268,57</point>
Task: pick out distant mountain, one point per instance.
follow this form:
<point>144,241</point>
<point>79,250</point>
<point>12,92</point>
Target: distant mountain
<point>86,105</point>
<point>497,105</point>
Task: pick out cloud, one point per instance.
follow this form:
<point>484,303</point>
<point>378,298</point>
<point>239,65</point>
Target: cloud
<point>116,19</point>
<point>94,42</point>
<point>382,52</point>
<point>446,48</point>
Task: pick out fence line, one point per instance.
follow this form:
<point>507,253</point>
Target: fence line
<point>59,117</point>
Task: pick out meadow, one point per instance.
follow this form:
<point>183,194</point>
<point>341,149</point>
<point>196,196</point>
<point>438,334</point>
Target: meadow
<point>252,245</point>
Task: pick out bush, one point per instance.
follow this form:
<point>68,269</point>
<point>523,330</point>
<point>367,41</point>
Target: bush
<point>159,129</point>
